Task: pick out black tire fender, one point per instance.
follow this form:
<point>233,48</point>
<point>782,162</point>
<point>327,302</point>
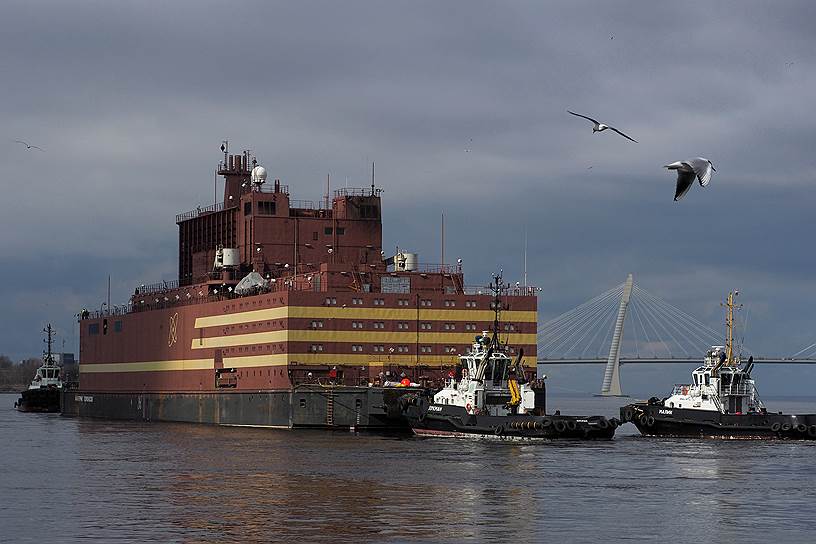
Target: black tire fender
<point>628,414</point>
<point>802,428</point>
<point>560,426</point>
<point>812,431</point>
<point>603,423</point>
<point>643,418</point>
<point>786,427</point>
<point>776,426</point>
<point>498,430</point>
<point>571,425</point>
<point>650,421</point>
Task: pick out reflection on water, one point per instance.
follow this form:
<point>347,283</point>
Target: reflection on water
<point>134,482</point>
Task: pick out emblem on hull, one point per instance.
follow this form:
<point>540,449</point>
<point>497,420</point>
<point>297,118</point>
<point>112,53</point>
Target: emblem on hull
<point>172,336</point>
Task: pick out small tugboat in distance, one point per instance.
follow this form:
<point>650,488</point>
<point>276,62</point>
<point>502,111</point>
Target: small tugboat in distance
<point>488,395</point>
<point>721,402</point>
<point>43,395</point>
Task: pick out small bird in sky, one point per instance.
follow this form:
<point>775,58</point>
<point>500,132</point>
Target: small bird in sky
<point>600,127</point>
<point>689,170</point>
<point>28,146</point>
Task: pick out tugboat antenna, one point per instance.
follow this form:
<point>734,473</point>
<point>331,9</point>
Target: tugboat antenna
<point>497,286</point>
<point>729,327</point>
<point>49,331</point>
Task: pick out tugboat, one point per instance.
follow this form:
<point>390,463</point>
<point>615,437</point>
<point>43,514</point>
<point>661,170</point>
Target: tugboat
<point>43,395</point>
<point>721,402</point>
<point>488,395</point>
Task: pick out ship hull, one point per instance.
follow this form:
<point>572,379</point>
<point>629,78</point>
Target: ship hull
<point>45,400</point>
<point>317,407</point>
<point>441,420</point>
<point>654,419</point>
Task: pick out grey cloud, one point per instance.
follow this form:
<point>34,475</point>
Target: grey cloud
<point>131,101</point>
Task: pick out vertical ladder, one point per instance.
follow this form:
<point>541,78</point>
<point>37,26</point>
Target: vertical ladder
<point>330,408</point>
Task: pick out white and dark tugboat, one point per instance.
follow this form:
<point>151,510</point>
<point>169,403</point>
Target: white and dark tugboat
<point>721,402</point>
<point>488,395</point>
<point>43,395</point>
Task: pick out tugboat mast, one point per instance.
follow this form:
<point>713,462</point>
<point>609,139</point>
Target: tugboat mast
<point>729,327</point>
<point>498,286</point>
<point>49,359</point>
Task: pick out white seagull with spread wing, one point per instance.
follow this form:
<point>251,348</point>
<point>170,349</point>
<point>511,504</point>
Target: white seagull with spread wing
<point>689,170</point>
<point>600,127</point>
<point>28,146</point>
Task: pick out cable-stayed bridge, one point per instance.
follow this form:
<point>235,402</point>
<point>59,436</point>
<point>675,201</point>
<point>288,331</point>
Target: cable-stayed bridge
<point>627,325</point>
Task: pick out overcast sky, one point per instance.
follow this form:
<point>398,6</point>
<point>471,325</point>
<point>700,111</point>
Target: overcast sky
<point>463,107</point>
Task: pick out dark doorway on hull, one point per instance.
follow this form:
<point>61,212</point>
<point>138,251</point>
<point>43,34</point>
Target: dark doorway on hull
<point>734,405</point>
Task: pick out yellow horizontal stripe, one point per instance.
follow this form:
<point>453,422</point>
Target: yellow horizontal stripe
<point>148,366</point>
<point>381,359</point>
<point>350,312</point>
<point>278,359</point>
<point>241,339</point>
<point>390,337</point>
<point>407,314</point>
<point>318,335</point>
<point>243,317</point>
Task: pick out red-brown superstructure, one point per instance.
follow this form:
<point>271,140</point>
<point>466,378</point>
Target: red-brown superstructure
<point>274,297</point>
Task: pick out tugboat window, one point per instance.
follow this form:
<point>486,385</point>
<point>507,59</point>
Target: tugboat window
<point>707,379</point>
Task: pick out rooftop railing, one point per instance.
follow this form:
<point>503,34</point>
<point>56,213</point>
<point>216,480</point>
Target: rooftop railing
<point>199,211</point>
<point>356,191</point>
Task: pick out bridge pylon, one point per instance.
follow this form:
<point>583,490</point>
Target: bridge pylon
<point>611,383</point>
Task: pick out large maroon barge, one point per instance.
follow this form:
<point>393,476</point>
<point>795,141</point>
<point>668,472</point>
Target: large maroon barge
<point>285,314</point>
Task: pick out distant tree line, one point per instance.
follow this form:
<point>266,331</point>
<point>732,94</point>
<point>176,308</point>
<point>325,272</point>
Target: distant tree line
<point>17,376</point>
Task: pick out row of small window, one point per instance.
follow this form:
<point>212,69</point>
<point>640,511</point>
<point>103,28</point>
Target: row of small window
<point>404,326</point>
<point>358,348</point>
<point>93,328</point>
<point>359,301</point>
<point>331,301</point>
<point>328,230</point>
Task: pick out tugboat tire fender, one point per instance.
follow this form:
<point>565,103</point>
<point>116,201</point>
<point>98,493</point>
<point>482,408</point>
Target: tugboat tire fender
<point>786,427</point>
<point>650,421</point>
<point>776,426</point>
<point>812,431</point>
<point>628,414</point>
<point>802,428</point>
<point>643,419</point>
<point>603,423</point>
<point>546,422</point>
<point>560,426</point>
<point>498,430</point>
<point>571,425</point>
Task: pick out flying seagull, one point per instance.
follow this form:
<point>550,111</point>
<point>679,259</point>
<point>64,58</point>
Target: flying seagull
<point>28,146</point>
<point>687,171</point>
<point>600,127</point>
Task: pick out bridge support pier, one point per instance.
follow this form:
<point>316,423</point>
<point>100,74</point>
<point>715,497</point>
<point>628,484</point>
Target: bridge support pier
<point>611,383</point>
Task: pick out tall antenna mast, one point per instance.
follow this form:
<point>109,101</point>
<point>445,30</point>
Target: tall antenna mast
<point>442,240</point>
<point>729,326</point>
<point>328,186</point>
<point>525,256</point>
<point>372,178</point>
<point>49,331</point>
